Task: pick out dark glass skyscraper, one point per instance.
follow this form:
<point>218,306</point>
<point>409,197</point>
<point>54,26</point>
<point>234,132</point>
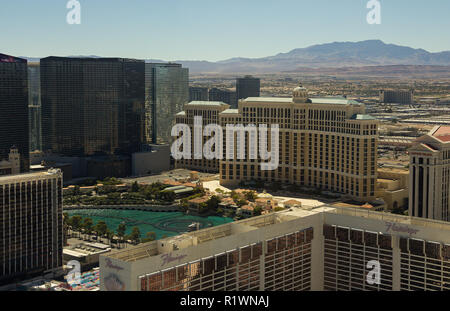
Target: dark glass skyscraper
<point>31,223</point>
<point>247,87</point>
<point>225,96</point>
<point>14,109</point>
<point>92,106</point>
<point>198,94</point>
<point>34,106</point>
<point>167,91</point>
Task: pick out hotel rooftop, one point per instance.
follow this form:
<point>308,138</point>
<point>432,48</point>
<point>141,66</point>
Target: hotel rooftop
<point>326,248</point>
<point>216,233</point>
<point>28,176</point>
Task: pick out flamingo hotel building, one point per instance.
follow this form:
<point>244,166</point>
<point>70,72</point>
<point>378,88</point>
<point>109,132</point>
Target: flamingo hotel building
<point>294,250</point>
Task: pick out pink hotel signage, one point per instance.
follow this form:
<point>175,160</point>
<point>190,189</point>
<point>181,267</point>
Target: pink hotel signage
<point>394,227</point>
<point>168,258</point>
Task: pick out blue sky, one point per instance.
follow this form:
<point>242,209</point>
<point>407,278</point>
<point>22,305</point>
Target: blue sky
<point>212,29</point>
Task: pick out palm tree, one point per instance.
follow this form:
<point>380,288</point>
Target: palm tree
<point>76,223</point>
<point>66,225</point>
<point>88,225</point>
<point>134,187</point>
<point>135,235</point>
<point>109,236</point>
<point>66,222</point>
<point>76,190</point>
<point>121,231</point>
<point>101,228</point>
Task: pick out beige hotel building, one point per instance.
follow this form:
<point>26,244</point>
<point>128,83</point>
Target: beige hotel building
<point>209,111</point>
<point>31,225</point>
<point>429,185</point>
<point>295,250</point>
<point>327,143</point>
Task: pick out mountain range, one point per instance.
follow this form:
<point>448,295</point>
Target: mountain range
<point>329,55</point>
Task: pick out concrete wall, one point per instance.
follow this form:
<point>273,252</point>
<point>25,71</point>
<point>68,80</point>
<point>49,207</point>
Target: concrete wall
<point>154,161</point>
<point>392,187</point>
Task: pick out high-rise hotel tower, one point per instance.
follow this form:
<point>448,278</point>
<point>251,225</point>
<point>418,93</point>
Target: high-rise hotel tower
<point>34,106</point>
<point>327,143</point>
<point>14,109</point>
<point>429,169</point>
<point>31,224</point>
<point>92,106</point>
<point>166,92</point>
<point>248,86</point>
<point>209,111</point>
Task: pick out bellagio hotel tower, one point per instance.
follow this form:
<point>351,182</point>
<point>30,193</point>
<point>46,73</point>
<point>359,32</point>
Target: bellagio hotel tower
<point>327,143</point>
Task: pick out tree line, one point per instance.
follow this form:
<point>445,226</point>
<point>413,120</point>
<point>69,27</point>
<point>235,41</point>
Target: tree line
<point>77,226</point>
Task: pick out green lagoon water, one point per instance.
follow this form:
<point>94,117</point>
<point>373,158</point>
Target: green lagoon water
<point>161,223</point>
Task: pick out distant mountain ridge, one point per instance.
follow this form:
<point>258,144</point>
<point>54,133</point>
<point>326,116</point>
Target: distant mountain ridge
<point>328,55</point>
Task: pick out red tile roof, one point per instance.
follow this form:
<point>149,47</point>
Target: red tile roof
<point>170,182</point>
<point>247,207</point>
<point>367,205</point>
<point>442,133</point>
<point>239,191</point>
<point>189,184</point>
<point>442,130</point>
<point>444,138</point>
<point>227,200</point>
<point>199,200</point>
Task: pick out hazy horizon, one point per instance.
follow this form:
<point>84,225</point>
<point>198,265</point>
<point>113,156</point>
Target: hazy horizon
<point>122,56</point>
<point>214,30</point>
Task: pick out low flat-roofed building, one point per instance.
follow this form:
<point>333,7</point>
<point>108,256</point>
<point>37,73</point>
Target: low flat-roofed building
<point>392,187</point>
<point>179,190</point>
<point>266,203</point>
<point>396,141</point>
<point>246,211</point>
<point>196,204</point>
<point>227,204</point>
<point>86,253</point>
<point>153,160</point>
<point>320,249</point>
